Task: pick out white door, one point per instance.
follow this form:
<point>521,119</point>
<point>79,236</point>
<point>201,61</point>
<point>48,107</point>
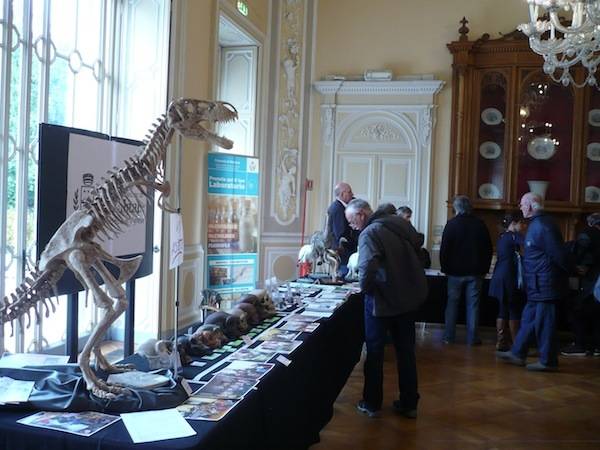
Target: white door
<point>238,87</point>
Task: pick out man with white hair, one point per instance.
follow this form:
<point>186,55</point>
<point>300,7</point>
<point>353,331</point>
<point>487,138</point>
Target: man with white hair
<point>545,277</point>
<point>393,281</point>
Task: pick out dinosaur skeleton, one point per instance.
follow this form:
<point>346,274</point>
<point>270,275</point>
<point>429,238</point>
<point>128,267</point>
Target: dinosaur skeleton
<point>104,217</point>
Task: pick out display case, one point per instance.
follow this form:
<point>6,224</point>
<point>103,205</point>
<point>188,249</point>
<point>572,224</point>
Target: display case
<point>514,130</point>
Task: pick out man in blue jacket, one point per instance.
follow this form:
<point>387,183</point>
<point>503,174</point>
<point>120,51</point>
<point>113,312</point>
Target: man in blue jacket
<point>393,281</point>
<point>545,278</point>
<point>465,257</point>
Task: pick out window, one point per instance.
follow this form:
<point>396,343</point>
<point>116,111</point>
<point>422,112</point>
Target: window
<point>80,63</point>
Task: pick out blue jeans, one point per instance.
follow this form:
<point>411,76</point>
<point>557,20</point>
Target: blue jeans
<point>471,285</point>
<point>539,322</point>
<point>402,331</point>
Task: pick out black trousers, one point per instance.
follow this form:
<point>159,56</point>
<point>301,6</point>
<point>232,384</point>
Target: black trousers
<point>402,332</point>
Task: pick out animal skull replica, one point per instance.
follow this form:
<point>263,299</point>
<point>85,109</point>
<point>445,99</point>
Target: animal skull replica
<point>73,246</point>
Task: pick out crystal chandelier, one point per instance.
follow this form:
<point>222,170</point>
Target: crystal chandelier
<point>565,42</point>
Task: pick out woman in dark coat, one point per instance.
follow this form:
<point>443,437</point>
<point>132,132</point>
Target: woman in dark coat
<point>504,285</point>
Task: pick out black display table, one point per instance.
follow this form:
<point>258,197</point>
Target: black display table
<point>432,311</point>
<point>287,411</point>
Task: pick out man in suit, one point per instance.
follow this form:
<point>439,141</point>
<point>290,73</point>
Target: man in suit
<point>465,257</point>
<point>545,271</point>
<point>343,239</point>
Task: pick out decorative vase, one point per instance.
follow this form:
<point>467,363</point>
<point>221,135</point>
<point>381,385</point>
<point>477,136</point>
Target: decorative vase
<point>538,187</point>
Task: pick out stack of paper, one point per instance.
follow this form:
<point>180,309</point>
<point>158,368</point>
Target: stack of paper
<point>138,380</point>
<point>150,426</point>
<point>18,360</point>
<point>14,391</point>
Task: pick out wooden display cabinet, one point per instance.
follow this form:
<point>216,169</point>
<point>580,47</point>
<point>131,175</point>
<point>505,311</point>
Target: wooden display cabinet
<point>514,130</point>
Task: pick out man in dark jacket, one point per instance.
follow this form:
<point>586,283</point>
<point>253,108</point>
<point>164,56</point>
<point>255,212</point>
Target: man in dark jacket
<point>394,284</point>
<point>584,309</point>
<point>545,277</point>
<point>465,257</point>
<point>343,238</point>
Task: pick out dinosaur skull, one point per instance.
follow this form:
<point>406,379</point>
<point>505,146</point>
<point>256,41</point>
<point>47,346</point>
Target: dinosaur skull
<point>193,118</point>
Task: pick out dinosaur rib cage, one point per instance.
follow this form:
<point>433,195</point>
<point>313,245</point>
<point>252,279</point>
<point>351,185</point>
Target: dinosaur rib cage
<point>113,206</point>
<point>116,204</point>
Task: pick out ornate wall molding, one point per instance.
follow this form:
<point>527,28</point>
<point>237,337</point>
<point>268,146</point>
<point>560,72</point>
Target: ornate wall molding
<point>287,156</point>
<point>379,132</point>
<point>428,120</point>
<point>382,136</point>
<point>397,87</point>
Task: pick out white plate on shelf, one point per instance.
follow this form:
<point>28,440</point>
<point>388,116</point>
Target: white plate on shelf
<point>490,150</point>
<point>592,194</point>
<point>594,117</point>
<point>491,116</point>
<point>593,151</point>
<point>541,147</point>
<point>489,191</point>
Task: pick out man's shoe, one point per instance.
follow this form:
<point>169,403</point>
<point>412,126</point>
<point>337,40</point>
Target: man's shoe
<point>573,350</point>
<point>539,367</point>
<point>596,352</point>
<point>410,413</point>
<point>364,409</point>
<point>447,341</point>
<point>510,358</point>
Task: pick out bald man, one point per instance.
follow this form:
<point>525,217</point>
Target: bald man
<point>338,227</point>
<point>545,277</point>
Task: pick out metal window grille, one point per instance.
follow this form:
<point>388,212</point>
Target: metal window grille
<point>79,63</point>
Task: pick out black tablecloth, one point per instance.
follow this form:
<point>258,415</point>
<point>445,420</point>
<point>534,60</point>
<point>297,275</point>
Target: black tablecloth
<point>432,311</point>
<point>287,411</point>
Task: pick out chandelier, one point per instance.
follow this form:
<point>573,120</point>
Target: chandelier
<point>565,41</point>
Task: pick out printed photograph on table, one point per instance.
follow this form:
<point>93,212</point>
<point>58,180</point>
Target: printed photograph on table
<point>304,327</point>
<point>81,423</point>
<point>213,409</point>
<point>226,386</point>
<point>299,318</point>
<point>253,354</point>
<point>280,346</point>
<point>247,369</point>
<point>277,334</point>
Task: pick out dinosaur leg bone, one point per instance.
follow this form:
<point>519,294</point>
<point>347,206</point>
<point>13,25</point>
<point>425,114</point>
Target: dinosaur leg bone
<point>116,291</point>
<point>80,261</point>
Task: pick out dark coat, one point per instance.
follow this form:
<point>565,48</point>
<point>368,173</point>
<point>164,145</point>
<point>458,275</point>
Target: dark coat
<point>588,255</point>
<point>466,248</point>
<point>389,268</point>
<point>503,284</point>
<point>544,261</point>
<point>337,228</point>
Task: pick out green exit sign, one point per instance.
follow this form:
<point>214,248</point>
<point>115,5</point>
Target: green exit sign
<point>242,7</point>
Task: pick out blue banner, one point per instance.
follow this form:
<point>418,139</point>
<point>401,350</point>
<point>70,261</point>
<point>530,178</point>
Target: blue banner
<point>232,240</point>
<point>232,175</point>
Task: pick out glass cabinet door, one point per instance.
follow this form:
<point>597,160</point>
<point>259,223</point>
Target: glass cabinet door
<point>591,163</point>
<point>545,136</point>
<point>490,151</point>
